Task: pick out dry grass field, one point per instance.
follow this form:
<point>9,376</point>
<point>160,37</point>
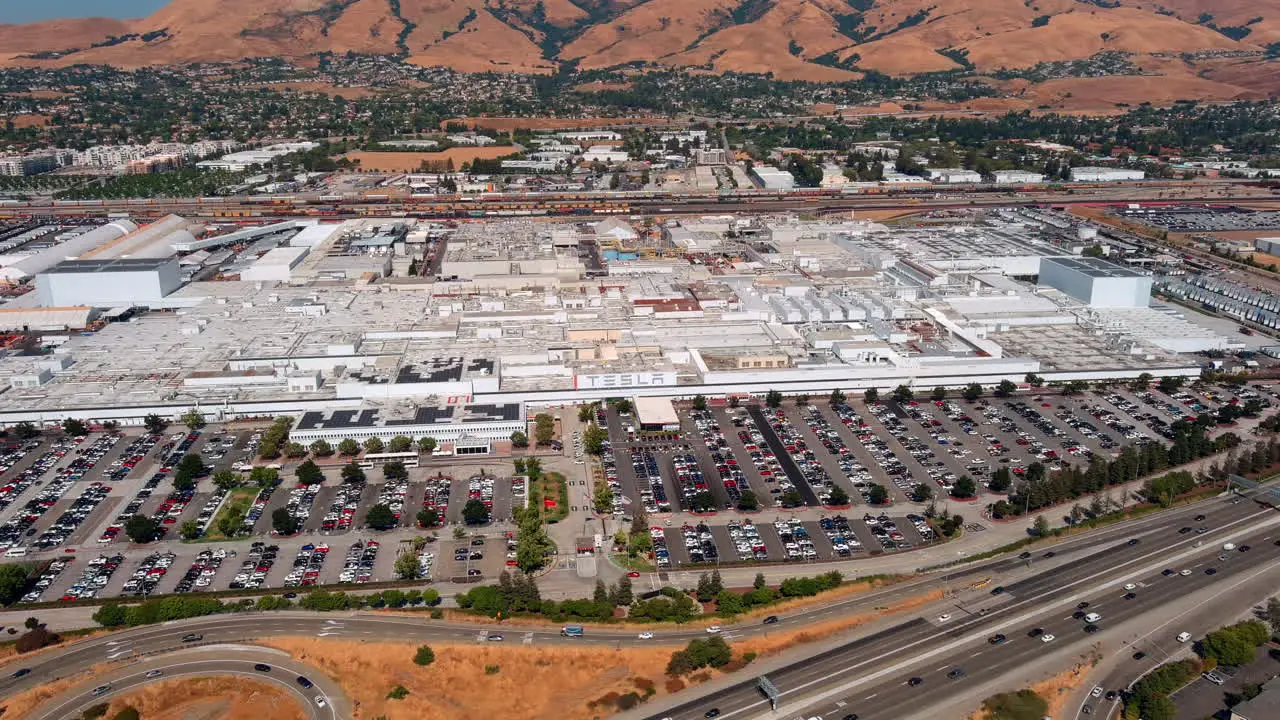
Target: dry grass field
<point>411,161</point>
<point>216,698</point>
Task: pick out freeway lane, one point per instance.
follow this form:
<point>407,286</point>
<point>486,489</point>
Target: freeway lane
<point>1073,558</point>
<point>206,662</point>
<point>910,648</point>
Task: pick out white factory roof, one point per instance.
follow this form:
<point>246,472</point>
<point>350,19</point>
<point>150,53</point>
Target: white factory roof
<point>286,256</point>
<point>45,318</point>
<point>312,235</point>
<point>655,411</point>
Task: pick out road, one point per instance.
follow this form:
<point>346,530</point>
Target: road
<point>1032,584</point>
<point>870,673</point>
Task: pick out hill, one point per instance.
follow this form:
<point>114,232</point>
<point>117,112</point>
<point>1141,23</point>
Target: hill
<point>816,40</point>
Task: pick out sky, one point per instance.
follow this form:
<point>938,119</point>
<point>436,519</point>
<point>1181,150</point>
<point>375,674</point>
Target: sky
<point>20,11</point>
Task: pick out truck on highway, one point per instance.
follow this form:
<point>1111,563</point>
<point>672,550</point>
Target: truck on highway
<point>571,631</point>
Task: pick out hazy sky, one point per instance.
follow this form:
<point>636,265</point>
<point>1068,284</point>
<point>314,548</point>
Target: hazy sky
<point>18,11</point>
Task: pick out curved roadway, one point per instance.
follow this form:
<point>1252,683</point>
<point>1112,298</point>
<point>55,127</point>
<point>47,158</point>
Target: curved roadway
<point>1034,584</point>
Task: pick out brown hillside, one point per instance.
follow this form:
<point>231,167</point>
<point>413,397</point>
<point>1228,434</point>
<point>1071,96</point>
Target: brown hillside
<point>58,34</point>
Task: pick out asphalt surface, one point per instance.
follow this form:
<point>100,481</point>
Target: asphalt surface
<point>873,671</point>
<point>1034,585</point>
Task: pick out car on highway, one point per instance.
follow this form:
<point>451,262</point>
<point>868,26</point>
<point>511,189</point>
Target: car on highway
<point>1035,632</point>
<point>713,712</point>
<point>1092,617</point>
<point>1228,546</point>
<point>1112,695</point>
<point>100,690</point>
<point>1245,548</point>
<point>154,673</point>
<point>1200,518</point>
<point>771,620</point>
<point>192,637</point>
<point>956,673</point>
<point>1091,629</point>
<point>1082,604</point>
<point>997,639</point>
<point>914,681</point>
<point>944,617</point>
<point>1130,586</point>
<point>1185,572</point>
<point>1167,572</point>
<point>305,682</point>
<point>1096,692</point>
<point>646,636</point>
<point>320,701</point>
<point>1211,571</point>
<point>1184,530</point>
<point>1048,638</point>
<point>1139,655</point>
<point>1133,541</point>
<point>997,590</point>
<point>850,716</point>
<point>494,638</point>
<point>1129,596</point>
<point>20,672</point>
<point>713,629</point>
<point>261,667</point>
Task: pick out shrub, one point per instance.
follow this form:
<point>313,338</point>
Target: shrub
<point>129,713</point>
<point>425,656</point>
<point>95,711</point>
<point>398,692</point>
<point>1021,705</point>
<point>491,669</point>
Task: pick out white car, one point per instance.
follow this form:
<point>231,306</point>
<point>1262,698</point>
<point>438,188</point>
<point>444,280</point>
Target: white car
<point>944,618</point>
<point>713,629</point>
<point>1130,586</point>
<point>646,636</point>
<point>320,701</point>
<point>1185,573</point>
<point>1096,692</point>
<point>1183,637</point>
<point>1047,638</point>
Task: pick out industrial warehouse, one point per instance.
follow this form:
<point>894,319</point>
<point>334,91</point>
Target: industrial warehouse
<point>394,319</point>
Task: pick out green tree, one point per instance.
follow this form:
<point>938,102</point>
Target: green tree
<point>1020,705</point>
<point>399,444</point>
<point>111,616</point>
<point>1040,528</point>
<point>903,394</point>
<point>424,656</point>
<point>348,448</point>
<point>141,529</point>
<point>1006,388</point>
<point>308,473</point>
<point>837,398</point>
<point>283,522</point>
<point>374,445</point>
<point>25,430</point>
<point>426,445</point>
<point>939,393</point>
<point>190,530</point>
<point>748,502</point>
<point>352,473</point>
<point>699,402</point>
<point>1142,382</point>
<point>837,497</point>
<point>623,406</point>
<point>972,392</point>
<point>544,428</point>
<point>428,517</point>
<point>475,512</point>
<point>320,448</point>
<point>395,471</point>
<point>13,582</point>
<point>407,567</point>
<point>75,427</point>
<point>871,395</point>
<point>226,481</point>
<point>602,500</point>
<point>1170,385</point>
<point>586,412</point>
<point>519,439</point>
<point>154,424</point>
<point>878,495</point>
<point>231,522</point>
<point>922,493</point>
<point>773,399</point>
<point>964,488</point>
<point>193,419</point>
<point>189,468</point>
<point>1034,380</point>
<point>594,438</point>
<point>380,517</point>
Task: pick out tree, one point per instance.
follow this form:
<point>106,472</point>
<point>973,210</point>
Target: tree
<point>13,582</point>
<point>399,444</point>
<point>226,481</point>
<point>837,497</point>
<point>544,428</point>
<point>602,499</point>
<point>380,517</point>
<point>699,402</point>
<point>972,392</point>
<point>283,522</point>
<point>1170,385</point>
<point>1142,382</point>
<point>1075,387</point>
<point>802,399</point>
<point>1006,388</point>
<point>475,512</point>
<point>348,448</point>
<point>154,424</point>
<point>878,495</point>
<point>759,582</point>
<point>903,394</point>
<point>702,501</point>
<point>748,502</point>
<point>193,419</point>
<point>1034,380</point>
<point>519,439</point>
<point>424,656</point>
<point>308,473</point>
<point>374,445</point>
<point>773,399</point>
<point>426,445</point>
<point>1273,614</point>
<point>406,566</point>
<point>586,412</point>
<point>353,473</point>
<point>320,448</point>
<point>922,493</point>
<point>395,471</point>
<point>594,438</point>
<point>141,529</point>
<point>623,595</point>
<point>837,398</point>
<point>600,593</point>
<point>939,393</point>
<point>25,430</point>
<point>75,427</point>
<point>1001,480</point>
<point>1040,528</point>
<point>871,395</point>
<point>964,488</point>
<point>1020,705</point>
<point>190,530</point>
<point>428,517</point>
<point>294,450</point>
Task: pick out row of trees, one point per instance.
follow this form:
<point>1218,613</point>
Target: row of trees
<point>350,448</point>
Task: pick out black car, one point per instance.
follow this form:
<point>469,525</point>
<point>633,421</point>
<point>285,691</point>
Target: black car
<point>20,672</point>
<point>850,716</point>
<point>997,639</point>
<point>1166,572</point>
<point>1244,548</point>
<point>1025,555</point>
<point>1133,541</point>
<point>955,674</point>
<point>1082,604</point>
<point>914,681</point>
<point>1091,628</point>
<point>1200,518</point>
<point>1184,531</point>
<point>192,637</point>
<point>1112,695</point>
<point>260,667</point>
<point>997,590</point>
<point>1035,632</point>
<point>1050,554</point>
<point>713,712</point>
<point>304,682</point>
<point>1139,655</point>
<point>1129,596</point>
<point>771,620</point>
<point>1211,571</point>
<point>1077,614</point>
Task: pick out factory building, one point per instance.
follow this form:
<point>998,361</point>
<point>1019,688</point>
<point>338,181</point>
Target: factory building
<point>953,176</point>
<point>158,240</point>
<point>1016,177</point>
<point>276,265</point>
<point>1105,174</point>
<point>17,268</point>
<point>771,178</point>
<point>468,429</point>
<point>108,283</point>
<point>1097,282</point>
<point>656,413</point>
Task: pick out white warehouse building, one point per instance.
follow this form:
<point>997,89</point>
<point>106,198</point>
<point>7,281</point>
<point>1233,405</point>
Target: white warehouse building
<point>108,283</point>
<point>1099,283</point>
<point>1105,174</point>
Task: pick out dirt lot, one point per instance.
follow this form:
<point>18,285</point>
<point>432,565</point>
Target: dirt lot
<point>411,161</point>
<point>210,699</point>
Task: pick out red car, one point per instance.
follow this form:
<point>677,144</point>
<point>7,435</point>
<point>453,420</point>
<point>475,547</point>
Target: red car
<point>633,574</point>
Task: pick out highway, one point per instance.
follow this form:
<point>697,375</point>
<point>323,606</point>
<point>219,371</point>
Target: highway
<point>869,676</point>
<point>1032,585</point>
